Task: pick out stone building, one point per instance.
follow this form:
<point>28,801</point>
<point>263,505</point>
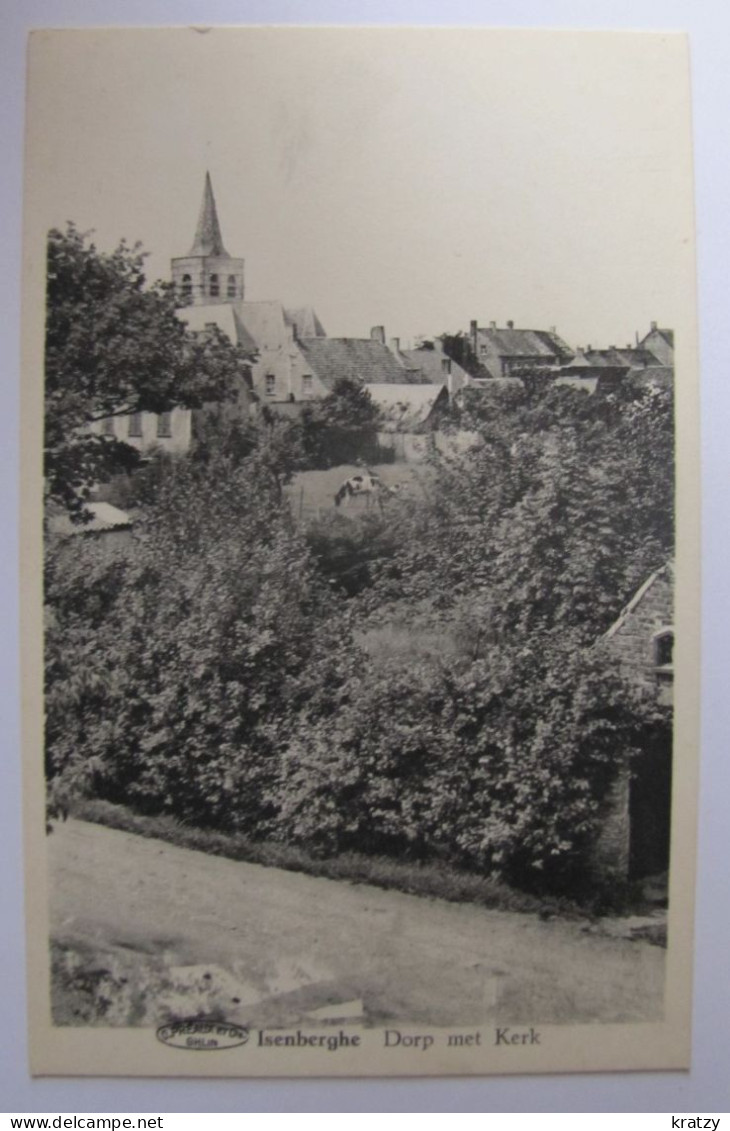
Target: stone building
<point>642,639</point>
<point>660,343</point>
<point>503,351</point>
<point>431,361</point>
<point>166,431</point>
<point>634,841</point>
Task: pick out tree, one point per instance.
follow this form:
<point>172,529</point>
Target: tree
<point>115,346</point>
<point>342,428</point>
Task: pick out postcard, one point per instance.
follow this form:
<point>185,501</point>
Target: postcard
<point>360,551</point>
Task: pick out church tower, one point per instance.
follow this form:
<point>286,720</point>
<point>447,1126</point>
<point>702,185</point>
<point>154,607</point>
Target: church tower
<point>207,274</point>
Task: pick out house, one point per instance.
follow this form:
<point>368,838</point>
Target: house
<point>503,351</point>
<point>642,639</point>
<point>409,417</point>
<point>649,362</point>
<point>660,343</point>
<point>369,361</point>
<point>634,840</point>
<point>434,366</point>
<point>166,431</point>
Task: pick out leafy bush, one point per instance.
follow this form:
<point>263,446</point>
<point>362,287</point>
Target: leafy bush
<point>172,672</point>
<point>501,766</point>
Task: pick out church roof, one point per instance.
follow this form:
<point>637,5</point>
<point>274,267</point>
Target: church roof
<point>208,238</point>
<point>222,314</point>
<point>306,321</point>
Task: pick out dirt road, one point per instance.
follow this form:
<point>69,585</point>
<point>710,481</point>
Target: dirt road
<point>151,930</point>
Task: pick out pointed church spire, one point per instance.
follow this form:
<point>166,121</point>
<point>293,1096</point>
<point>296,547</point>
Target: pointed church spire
<point>208,238</point>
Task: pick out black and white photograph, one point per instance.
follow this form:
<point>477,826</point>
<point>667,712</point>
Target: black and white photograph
<point>360,505</point>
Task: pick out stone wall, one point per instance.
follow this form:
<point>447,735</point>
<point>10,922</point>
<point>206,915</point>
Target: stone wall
<point>633,638</point>
<point>630,807</point>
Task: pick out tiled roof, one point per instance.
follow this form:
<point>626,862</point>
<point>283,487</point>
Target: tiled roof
<point>630,357</point>
<point>406,406</point>
<point>667,571</point>
<point>103,517</point>
<point>555,344</point>
<point>506,342</point>
<point>359,359</point>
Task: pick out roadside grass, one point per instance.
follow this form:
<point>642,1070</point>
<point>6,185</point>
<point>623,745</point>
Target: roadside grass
<point>436,881</point>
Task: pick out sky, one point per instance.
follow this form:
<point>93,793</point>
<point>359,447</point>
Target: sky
<point>412,178</point>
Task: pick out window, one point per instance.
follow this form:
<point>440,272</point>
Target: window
<point>307,385</point>
<point>187,286</point>
<point>135,424</point>
<point>231,291</point>
<point>215,289</point>
<point>270,385</point>
<point>164,425</point>
<point>107,426</point>
<point>664,651</point>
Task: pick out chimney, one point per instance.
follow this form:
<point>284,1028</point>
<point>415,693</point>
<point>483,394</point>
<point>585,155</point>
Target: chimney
<point>378,334</point>
<point>553,329</point>
<point>510,325</point>
<point>394,345</point>
<point>492,325</point>
<point>589,348</point>
<point>653,325</point>
<point>473,332</point>
<point>294,332</point>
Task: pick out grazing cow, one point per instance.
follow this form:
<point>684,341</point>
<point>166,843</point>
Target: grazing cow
<point>370,485</point>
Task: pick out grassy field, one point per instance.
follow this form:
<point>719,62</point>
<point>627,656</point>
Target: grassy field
<point>312,493</point>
